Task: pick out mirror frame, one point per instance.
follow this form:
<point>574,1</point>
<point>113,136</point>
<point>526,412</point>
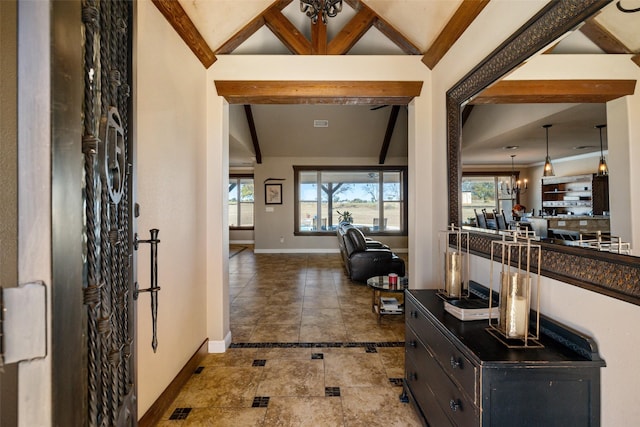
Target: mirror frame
<point>610,274</point>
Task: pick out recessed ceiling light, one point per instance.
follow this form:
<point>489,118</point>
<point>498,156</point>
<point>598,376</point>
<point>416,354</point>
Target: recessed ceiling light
<point>511,147</point>
<point>321,123</point>
<point>583,147</point>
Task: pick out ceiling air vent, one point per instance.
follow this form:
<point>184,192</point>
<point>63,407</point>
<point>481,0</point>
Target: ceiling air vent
<point>321,123</point>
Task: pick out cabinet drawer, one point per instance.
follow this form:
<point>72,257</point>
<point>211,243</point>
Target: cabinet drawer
<point>424,397</point>
<point>452,360</point>
<point>424,370</point>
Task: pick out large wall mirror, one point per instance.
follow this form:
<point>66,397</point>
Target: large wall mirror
<point>613,274</point>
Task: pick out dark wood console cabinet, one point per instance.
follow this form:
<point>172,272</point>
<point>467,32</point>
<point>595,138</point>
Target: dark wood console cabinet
<point>457,374</point>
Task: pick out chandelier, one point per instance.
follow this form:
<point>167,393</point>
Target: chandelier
<point>515,186</point>
<point>325,8</point>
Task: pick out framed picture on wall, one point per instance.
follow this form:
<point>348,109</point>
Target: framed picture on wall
<point>273,194</point>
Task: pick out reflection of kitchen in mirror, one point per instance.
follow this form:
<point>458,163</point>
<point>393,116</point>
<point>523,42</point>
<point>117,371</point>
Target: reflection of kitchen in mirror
<point>546,110</point>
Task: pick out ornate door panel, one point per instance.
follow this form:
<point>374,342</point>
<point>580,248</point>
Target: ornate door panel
<point>107,148</point>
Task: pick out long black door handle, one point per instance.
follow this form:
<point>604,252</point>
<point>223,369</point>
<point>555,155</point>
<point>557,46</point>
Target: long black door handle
<point>153,290</point>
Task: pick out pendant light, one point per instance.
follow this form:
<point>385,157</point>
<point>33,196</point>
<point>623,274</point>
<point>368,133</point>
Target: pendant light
<point>548,167</point>
<point>603,170</point>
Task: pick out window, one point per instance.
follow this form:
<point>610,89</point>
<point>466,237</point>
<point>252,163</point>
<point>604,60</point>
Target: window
<point>373,196</point>
<point>486,191</point>
<point>241,201</point>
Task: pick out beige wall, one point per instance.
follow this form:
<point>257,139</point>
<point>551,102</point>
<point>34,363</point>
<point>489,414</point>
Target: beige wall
<point>171,114</point>
<point>609,321</point>
<point>623,135</point>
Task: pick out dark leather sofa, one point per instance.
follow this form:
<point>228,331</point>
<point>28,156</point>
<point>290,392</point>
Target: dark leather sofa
<point>364,258</point>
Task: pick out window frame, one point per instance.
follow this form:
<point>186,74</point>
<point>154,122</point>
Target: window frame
<point>404,202</point>
<point>496,175</point>
<point>239,176</point>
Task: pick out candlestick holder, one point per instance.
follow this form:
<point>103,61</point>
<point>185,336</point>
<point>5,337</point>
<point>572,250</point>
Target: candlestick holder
<point>511,272</point>
<point>453,253</point>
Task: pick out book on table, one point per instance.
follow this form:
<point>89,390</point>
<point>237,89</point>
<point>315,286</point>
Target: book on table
<point>470,309</point>
<point>390,305</point>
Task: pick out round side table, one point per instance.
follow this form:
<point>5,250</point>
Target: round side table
<point>380,284</point>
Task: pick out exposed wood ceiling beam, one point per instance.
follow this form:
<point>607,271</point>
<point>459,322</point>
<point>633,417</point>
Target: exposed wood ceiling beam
<point>177,17</point>
<point>553,91</point>
<point>396,37</point>
<point>319,39</point>
<point>248,30</point>
<point>391,124</point>
<point>606,41</point>
<point>241,36</point>
<point>254,133</point>
<point>319,92</point>
<point>298,44</point>
<point>352,32</point>
<point>602,38</point>
<point>463,17</point>
<point>286,32</point>
<point>386,28</point>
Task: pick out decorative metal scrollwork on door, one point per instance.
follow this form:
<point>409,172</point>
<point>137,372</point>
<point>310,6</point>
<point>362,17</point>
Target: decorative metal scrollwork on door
<point>108,285</point>
<point>112,138</point>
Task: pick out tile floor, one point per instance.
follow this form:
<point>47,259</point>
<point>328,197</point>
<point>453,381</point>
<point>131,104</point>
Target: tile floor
<point>307,351</point>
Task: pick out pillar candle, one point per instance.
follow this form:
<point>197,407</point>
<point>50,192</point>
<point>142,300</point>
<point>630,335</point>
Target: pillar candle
<point>516,317</point>
<point>453,274</point>
<point>513,304</point>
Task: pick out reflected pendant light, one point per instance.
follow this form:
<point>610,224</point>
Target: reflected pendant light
<point>603,170</point>
<point>548,167</point>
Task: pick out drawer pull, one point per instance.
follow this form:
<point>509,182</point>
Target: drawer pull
<point>413,376</point>
<point>455,363</point>
<point>413,344</point>
<point>414,314</point>
<point>455,405</point>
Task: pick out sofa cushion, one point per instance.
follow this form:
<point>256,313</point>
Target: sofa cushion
<point>357,239</point>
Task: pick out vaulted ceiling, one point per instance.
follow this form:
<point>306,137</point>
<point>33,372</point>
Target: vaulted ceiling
<point>363,27</point>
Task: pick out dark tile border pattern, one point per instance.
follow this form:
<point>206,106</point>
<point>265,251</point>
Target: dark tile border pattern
<point>369,346</point>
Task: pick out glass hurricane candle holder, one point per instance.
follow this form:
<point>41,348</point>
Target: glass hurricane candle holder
<point>515,267</point>
<point>514,309</point>
<point>453,253</point>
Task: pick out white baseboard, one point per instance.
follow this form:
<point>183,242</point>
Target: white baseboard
<point>220,346</point>
<point>297,251</point>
